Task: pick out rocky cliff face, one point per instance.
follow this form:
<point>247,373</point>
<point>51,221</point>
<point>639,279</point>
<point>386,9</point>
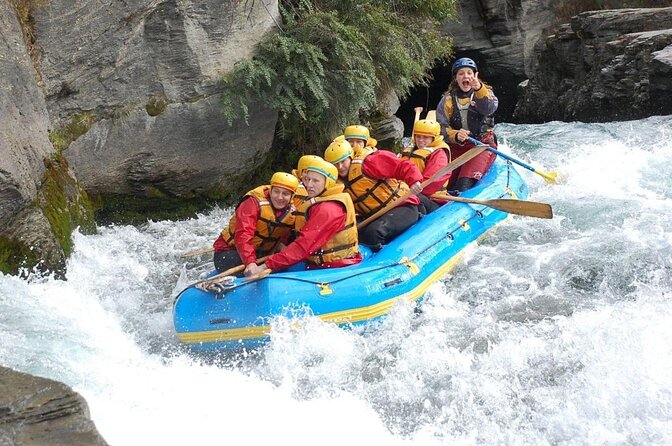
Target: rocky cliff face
<point>38,411</point>
<point>500,36</point>
<point>605,66</point>
<point>123,101</point>
<point>37,190</point>
<point>132,91</point>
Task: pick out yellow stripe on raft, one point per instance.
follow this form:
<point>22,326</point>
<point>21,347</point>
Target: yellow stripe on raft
<point>337,317</point>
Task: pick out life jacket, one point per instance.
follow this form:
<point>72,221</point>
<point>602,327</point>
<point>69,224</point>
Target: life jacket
<point>343,244</point>
<point>460,110</point>
<point>419,156</point>
<point>300,196</point>
<point>270,229</point>
<point>363,151</point>
<point>368,194</point>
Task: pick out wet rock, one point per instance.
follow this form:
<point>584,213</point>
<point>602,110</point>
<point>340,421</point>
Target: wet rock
<point>38,411</point>
<point>501,37</point>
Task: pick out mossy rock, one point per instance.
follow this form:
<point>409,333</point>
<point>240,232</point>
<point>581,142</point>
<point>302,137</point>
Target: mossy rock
<point>156,105</point>
<point>64,203</point>
<point>14,255</point>
<point>157,204</point>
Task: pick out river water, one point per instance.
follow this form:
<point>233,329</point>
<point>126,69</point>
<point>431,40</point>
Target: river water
<point>554,332</point>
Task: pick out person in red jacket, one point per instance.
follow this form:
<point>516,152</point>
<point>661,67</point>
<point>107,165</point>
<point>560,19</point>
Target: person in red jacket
<point>374,180</point>
<point>327,229</point>
<point>431,154</point>
<point>263,220</point>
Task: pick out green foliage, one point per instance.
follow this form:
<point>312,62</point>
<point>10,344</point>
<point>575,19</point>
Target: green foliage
<point>333,59</point>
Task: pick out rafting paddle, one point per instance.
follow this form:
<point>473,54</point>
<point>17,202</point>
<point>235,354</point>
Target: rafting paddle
<point>258,276</point>
<point>418,110</point>
<point>511,206</point>
<point>196,253</point>
<point>550,177</point>
<point>228,272</point>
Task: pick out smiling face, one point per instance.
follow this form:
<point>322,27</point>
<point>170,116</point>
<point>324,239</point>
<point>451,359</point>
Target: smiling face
<point>314,183</point>
<point>423,140</point>
<point>280,197</point>
<point>464,77</point>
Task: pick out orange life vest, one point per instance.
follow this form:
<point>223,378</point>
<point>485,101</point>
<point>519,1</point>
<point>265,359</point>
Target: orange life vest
<point>343,244</point>
<point>270,229</point>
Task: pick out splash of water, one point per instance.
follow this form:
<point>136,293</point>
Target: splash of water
<point>548,332</point>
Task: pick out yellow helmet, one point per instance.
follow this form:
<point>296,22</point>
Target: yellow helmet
<point>322,167</point>
<point>426,127</point>
<point>303,162</point>
<point>285,180</point>
<point>338,151</point>
<point>356,132</point>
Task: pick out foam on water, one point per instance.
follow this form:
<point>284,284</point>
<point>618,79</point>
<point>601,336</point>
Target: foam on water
<point>548,332</point>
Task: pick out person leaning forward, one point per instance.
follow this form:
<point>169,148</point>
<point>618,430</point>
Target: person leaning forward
<point>374,180</point>
<point>263,219</point>
<point>326,225</point>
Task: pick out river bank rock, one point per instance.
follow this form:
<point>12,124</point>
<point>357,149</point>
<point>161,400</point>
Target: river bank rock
<point>605,66</point>
<point>38,411</point>
<point>124,98</point>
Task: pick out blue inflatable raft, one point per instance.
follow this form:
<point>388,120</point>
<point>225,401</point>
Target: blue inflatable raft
<point>240,317</point>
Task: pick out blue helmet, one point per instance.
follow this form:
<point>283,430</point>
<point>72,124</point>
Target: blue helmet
<point>464,62</point>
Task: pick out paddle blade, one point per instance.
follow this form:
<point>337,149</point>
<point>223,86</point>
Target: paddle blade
<point>521,207</point>
<point>550,177</point>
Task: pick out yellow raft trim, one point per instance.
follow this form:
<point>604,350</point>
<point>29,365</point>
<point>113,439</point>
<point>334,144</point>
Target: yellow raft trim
<point>337,317</point>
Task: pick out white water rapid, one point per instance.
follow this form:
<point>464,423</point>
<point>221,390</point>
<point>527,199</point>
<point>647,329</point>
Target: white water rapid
<point>550,332</point>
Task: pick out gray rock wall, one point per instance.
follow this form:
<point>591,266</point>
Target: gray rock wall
<point>144,77</point>
<point>24,144</point>
<point>605,66</point>
<point>501,35</point>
